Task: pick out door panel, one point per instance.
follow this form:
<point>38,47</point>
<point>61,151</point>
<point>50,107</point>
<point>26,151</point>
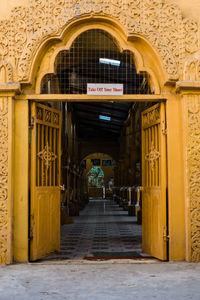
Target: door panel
<point>45,181</point>
<point>154,182</point>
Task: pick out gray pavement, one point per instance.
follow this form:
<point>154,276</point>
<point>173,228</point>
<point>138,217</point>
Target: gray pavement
<point>100,280</point>
<point>102,226</point>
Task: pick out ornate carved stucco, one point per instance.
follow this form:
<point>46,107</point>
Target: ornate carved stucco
<point>192,68</point>
<point>4,226</point>
<point>193,175</point>
<point>6,78</point>
<point>6,72</point>
<point>173,36</point>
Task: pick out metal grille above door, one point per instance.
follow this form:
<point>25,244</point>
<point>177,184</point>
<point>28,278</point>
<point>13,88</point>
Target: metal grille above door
<point>94,57</point>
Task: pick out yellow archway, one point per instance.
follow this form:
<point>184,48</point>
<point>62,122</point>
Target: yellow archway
<point>146,57</point>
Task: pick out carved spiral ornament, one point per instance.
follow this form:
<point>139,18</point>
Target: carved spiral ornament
<point>193,161</point>
<point>174,37</point>
<point>4,180</point>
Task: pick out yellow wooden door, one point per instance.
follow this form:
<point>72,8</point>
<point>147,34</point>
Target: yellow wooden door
<point>154,182</point>
<point>45,181</point>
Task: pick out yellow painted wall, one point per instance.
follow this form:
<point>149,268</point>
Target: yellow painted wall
<point>21,183</point>
<point>7,5</point>
<point>176,205</point>
<point>189,8</point>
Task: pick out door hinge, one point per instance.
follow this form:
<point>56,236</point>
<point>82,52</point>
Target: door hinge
<point>164,128</point>
<point>32,123</point>
<point>165,235</point>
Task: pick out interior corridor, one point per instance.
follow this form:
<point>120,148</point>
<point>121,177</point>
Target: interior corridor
<point>103,229</point>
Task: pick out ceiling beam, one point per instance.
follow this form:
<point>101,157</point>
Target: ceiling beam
<point>88,98</point>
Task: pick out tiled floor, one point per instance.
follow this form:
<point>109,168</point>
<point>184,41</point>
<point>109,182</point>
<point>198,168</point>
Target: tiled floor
<point>101,227</point>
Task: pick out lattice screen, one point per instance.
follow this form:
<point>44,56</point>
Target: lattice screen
<point>94,58</point>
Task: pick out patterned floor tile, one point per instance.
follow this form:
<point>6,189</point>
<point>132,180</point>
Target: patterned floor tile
<point>101,226</point>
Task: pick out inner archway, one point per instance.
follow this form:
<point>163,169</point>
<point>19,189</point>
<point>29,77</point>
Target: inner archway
<point>96,178</point>
<point>96,182</point>
<point>99,175</point>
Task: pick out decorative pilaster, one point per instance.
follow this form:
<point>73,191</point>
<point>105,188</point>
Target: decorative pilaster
<point>193,150</point>
<point>191,123</point>
<point>193,176</point>
<point>4,209</point>
<point>5,179</point>
<point>7,91</point>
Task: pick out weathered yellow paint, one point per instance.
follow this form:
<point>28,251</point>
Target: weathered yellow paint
<point>154,182</point>
<point>45,181</point>
<point>21,181</point>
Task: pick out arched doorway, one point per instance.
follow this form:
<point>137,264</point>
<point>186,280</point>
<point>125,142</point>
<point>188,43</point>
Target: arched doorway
<point>48,76</point>
<point>95,66</point>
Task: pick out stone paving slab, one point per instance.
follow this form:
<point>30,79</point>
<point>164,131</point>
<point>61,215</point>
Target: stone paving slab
<point>100,281</point>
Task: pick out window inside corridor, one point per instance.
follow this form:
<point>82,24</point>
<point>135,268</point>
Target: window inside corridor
<point>96,177</point>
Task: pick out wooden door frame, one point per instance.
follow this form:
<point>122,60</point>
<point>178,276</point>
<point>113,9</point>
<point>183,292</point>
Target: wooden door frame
<point>174,164</point>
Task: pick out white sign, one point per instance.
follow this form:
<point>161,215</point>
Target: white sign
<point>104,89</point>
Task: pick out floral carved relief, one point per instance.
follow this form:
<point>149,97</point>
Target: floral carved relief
<point>192,68</point>
<point>6,72</point>
<point>174,37</point>
<point>4,230</point>
<point>193,160</point>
